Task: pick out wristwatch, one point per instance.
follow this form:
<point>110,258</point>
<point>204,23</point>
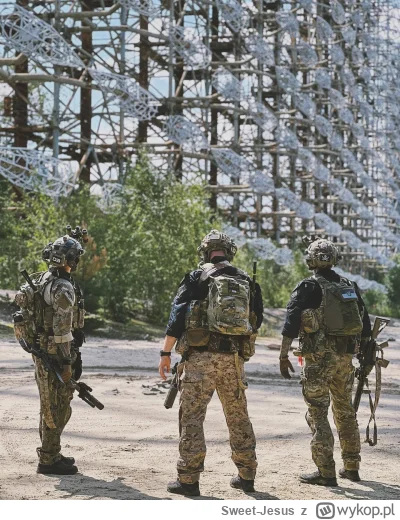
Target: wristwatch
<point>164,353</point>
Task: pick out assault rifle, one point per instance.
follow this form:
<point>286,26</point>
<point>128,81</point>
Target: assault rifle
<point>370,356</point>
<point>82,388</point>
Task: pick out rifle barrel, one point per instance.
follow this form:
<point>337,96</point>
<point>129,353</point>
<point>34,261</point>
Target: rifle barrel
<point>25,274</point>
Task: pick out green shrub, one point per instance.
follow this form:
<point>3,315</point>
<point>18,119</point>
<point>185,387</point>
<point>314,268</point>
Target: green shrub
<point>154,236</point>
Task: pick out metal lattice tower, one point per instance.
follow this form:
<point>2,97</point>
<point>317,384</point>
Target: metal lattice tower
<point>287,110</point>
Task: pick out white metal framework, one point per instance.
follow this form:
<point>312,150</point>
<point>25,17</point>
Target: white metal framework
<point>287,110</point>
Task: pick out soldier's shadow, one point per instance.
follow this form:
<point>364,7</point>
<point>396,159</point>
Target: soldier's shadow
<point>373,491</point>
<point>80,485</point>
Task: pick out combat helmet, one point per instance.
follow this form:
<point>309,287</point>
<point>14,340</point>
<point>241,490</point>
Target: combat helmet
<point>66,250</point>
<point>322,253</point>
<point>215,241</point>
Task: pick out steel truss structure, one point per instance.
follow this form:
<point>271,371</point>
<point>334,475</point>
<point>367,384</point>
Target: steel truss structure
<point>288,111</point>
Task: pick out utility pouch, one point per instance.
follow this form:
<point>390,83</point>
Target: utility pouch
<point>197,332</point>
<point>352,344</point>
<point>23,327</point>
<point>310,320</point>
<point>312,343</point>
<point>346,344</point>
<point>182,345</point>
<point>198,337</point>
<point>51,346</point>
<point>248,346</point>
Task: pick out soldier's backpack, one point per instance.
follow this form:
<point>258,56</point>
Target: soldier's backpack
<point>340,307</point>
<point>29,321</point>
<point>228,308</point>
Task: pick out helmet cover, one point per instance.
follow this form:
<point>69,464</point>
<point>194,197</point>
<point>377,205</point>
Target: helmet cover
<point>215,241</point>
<point>322,253</point>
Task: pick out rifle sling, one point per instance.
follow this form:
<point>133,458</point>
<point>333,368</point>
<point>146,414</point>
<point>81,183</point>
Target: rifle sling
<point>373,406</point>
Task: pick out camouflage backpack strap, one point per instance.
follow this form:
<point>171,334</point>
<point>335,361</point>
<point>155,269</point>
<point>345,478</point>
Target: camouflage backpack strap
<point>240,272</point>
<point>210,269</point>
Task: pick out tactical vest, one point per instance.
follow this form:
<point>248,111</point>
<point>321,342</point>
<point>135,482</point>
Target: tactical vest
<point>339,307</point>
<point>35,318</point>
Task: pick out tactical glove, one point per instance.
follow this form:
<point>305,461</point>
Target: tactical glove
<point>77,366</point>
<point>79,337</point>
<point>284,366</point>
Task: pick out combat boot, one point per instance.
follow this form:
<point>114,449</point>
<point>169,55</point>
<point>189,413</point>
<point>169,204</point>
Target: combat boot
<point>351,474</point>
<point>69,461</point>
<point>57,468</point>
<point>180,488</point>
<point>316,479</point>
<point>245,485</point>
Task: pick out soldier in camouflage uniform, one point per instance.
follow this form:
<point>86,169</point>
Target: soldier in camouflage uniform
<point>57,326</point>
<point>213,360</point>
<point>328,314</point>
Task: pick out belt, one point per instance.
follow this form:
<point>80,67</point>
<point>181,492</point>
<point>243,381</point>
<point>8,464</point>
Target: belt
<point>200,349</point>
<point>223,347</point>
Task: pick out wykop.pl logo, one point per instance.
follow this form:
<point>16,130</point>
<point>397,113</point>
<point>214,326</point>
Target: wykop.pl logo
<point>325,510</point>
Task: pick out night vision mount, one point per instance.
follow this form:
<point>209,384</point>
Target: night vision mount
<point>309,239</point>
<point>78,234</point>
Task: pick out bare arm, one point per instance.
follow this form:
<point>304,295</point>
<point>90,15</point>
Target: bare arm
<point>169,342</point>
<point>165,361</point>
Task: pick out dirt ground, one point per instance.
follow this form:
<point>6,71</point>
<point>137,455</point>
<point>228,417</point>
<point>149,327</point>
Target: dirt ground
<point>129,450</point>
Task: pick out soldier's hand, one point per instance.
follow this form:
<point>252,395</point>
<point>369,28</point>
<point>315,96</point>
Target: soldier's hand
<point>164,366</point>
<point>284,366</point>
<point>66,373</point>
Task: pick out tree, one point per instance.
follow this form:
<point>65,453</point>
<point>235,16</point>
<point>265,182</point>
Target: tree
<point>154,236</point>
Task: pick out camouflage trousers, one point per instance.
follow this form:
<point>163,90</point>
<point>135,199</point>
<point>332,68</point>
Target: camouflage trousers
<point>330,375</point>
<point>55,412</point>
<point>204,373</point>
